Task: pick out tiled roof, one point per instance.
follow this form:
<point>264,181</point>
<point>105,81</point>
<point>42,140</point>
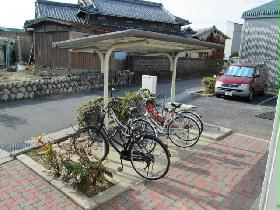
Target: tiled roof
<point>188,32</point>
<point>270,9</point>
<point>57,10</point>
<point>207,30</point>
<point>135,9</point>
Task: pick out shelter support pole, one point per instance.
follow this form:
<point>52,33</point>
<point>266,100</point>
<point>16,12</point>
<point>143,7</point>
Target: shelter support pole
<point>173,81</point>
<point>174,72</point>
<point>106,82</point>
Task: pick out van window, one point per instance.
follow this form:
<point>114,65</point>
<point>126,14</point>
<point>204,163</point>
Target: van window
<point>240,71</point>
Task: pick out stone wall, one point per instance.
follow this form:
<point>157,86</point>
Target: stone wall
<point>186,68</point>
<point>60,85</point>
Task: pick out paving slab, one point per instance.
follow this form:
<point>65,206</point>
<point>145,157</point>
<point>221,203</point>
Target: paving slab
<point>21,188</point>
<point>226,174</point>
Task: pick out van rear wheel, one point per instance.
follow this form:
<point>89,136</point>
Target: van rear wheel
<point>264,91</point>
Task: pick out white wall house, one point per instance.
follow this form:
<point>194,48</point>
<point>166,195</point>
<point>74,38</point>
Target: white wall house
<point>260,38</point>
<point>234,31</point>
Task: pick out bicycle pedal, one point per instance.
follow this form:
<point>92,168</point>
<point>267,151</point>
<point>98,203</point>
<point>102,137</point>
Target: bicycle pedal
<point>120,169</point>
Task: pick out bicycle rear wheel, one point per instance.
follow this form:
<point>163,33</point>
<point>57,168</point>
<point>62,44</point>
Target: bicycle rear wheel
<point>184,131</point>
<point>150,157</point>
<point>196,117</point>
<point>95,145</point>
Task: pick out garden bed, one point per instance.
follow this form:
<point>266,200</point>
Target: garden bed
<point>74,168</point>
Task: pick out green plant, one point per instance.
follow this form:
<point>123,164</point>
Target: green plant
<point>87,176</point>
<point>74,166</point>
<point>234,54</point>
<point>51,157</point>
<point>130,99</point>
<point>88,112</point>
<point>209,84</point>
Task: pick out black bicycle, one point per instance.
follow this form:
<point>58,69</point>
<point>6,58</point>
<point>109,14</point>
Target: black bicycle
<point>148,155</point>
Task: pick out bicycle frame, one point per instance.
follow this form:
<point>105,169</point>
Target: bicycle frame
<point>111,140</point>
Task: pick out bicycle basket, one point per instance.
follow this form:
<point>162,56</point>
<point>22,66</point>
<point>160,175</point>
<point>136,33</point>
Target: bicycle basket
<point>93,116</point>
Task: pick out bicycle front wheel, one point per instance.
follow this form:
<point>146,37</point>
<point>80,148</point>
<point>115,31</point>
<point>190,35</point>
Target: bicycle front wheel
<point>95,146</point>
<point>143,127</point>
<point>150,157</point>
<point>184,131</point>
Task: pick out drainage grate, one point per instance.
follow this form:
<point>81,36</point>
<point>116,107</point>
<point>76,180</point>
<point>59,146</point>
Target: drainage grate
<point>267,115</point>
<point>17,146</point>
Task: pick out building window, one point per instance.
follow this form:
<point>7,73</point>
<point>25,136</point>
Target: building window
<point>120,55</point>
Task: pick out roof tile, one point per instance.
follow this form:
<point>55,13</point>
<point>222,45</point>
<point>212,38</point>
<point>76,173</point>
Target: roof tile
<point>270,9</point>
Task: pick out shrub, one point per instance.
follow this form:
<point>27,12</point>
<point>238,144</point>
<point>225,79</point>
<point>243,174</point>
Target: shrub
<point>74,166</point>
<point>87,176</point>
<point>88,112</point>
<point>234,54</point>
<point>209,84</point>
<point>133,99</point>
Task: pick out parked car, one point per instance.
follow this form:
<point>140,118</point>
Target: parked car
<point>243,80</point>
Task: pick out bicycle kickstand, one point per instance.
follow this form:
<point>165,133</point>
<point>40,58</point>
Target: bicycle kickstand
<point>120,169</point>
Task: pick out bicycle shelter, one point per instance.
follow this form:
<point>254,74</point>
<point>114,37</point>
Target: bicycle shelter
<point>143,42</point>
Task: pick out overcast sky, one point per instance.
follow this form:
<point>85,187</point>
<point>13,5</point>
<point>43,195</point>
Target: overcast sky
<point>202,13</point>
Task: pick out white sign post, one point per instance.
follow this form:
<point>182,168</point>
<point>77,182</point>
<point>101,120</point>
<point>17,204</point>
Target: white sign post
<point>270,197</point>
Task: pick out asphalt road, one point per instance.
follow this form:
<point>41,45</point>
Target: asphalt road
<point>23,119</point>
<point>237,114</point>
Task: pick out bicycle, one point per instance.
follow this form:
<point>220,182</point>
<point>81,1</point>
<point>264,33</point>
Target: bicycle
<point>116,125</point>
<point>162,106</point>
<point>149,157</point>
<point>183,130</point>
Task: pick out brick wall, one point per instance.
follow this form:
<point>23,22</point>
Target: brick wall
<point>186,68</point>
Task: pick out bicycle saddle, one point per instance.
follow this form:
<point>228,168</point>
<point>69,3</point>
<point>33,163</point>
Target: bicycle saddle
<point>133,109</point>
<point>135,127</point>
<point>176,105</point>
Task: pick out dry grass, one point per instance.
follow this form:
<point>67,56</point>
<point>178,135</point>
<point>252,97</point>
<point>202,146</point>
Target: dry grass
<point>17,76</point>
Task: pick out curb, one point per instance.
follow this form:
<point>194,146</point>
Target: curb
<point>80,199</point>
<point>223,132</point>
<point>200,93</point>
<point>5,160</point>
<point>54,137</point>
